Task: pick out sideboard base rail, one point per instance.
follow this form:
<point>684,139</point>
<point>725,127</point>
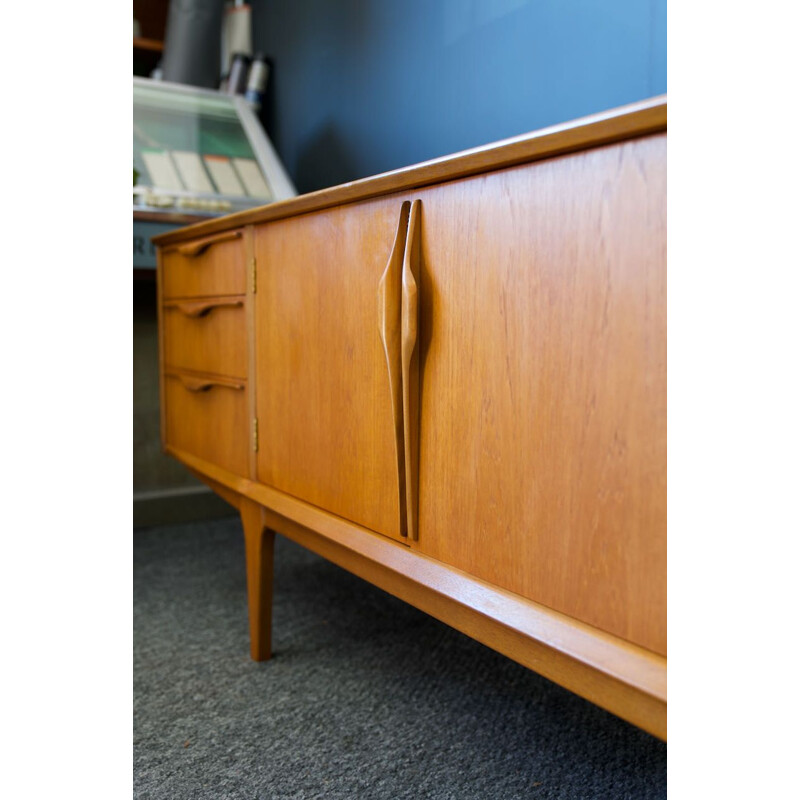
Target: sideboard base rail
<point>623,678</point>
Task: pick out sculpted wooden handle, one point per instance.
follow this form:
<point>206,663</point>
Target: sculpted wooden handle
<point>410,368</point>
<point>389,323</point>
<point>202,384</point>
<point>199,308</point>
<point>192,249</point>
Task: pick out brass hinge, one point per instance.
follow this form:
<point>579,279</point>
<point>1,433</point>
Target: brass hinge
<point>253,273</point>
<point>255,434</point>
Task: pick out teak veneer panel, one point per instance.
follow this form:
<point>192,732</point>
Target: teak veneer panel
<point>326,428</point>
<point>543,423</point>
<point>625,122</point>
<point>206,336</point>
<point>208,267</point>
<point>207,416</point>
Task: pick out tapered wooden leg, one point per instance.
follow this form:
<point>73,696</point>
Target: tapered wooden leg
<point>259,544</point>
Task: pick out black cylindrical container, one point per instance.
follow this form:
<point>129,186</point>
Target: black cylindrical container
<point>192,42</point>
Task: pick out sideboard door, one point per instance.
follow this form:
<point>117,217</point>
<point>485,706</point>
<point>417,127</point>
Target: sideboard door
<point>543,383</point>
<point>327,416</point>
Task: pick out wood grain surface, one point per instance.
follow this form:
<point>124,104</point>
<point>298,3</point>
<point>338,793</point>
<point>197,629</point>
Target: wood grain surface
<point>206,336</point>
<point>207,417</point>
<point>212,267</point>
<point>636,119</point>
<point>326,423</point>
<point>162,396</point>
<point>625,679</point>
<point>250,316</point>
<point>543,422</point>
<point>259,545</point>
<point>537,354</point>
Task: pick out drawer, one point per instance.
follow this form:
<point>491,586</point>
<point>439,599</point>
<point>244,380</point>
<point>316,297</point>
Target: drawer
<point>206,335</point>
<point>207,417</point>
<point>207,267</point>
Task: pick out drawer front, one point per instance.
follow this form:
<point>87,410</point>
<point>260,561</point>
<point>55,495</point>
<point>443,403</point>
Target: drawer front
<point>207,417</point>
<point>206,336</point>
<point>215,265</point>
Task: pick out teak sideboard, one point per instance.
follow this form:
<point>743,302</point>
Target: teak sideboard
<point>451,381</point>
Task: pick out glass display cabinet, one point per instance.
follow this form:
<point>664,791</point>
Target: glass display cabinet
<point>200,152</point>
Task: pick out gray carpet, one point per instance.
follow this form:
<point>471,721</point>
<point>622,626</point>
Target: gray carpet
<point>365,696</point>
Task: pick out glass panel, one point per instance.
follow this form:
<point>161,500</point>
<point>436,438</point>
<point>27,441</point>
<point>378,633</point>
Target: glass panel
<point>190,150</point>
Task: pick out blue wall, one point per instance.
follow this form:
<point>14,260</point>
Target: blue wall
<point>360,87</point>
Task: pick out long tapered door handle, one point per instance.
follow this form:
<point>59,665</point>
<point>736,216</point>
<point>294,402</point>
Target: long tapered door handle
<point>193,249</point>
<point>390,326</point>
<point>410,315</point>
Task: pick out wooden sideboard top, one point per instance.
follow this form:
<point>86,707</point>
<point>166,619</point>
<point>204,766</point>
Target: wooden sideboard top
<point>637,119</point>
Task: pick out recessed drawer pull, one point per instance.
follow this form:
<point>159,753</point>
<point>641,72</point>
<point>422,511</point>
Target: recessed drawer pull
<point>202,307</point>
<point>193,249</point>
<point>203,384</point>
